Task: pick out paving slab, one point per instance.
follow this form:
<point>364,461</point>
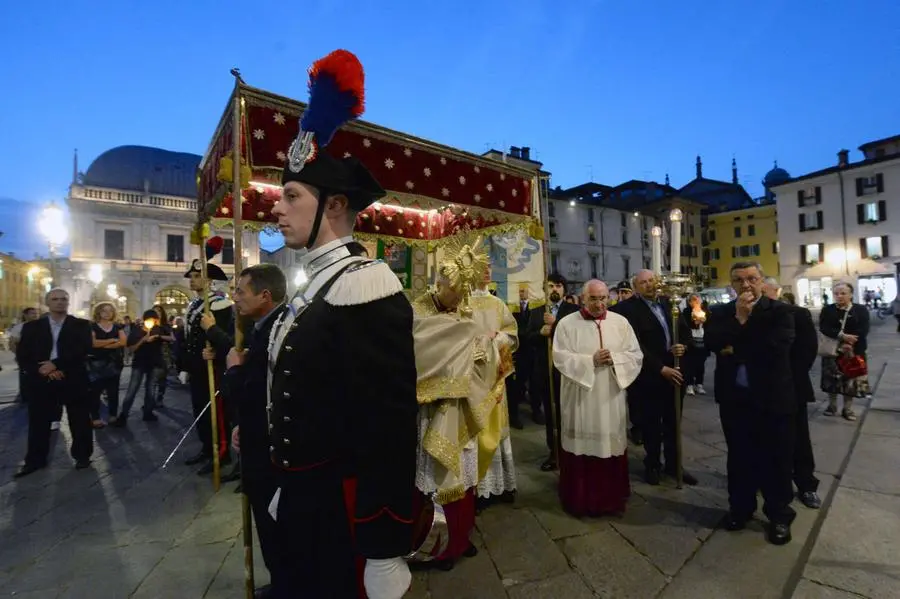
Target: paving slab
<point>882,422</point>
<point>875,465</point>
<point>857,549</point>
<point>185,571</point>
<point>569,586</point>
<point>519,546</point>
<point>612,567</point>
<point>743,565</point>
<point>808,589</point>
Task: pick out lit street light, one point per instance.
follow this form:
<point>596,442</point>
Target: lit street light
<point>53,227</point>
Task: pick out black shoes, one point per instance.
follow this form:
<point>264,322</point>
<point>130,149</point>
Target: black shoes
<point>82,464</point>
<point>200,457</point>
<point>27,469</point>
<point>263,592</point>
<point>538,417</point>
<point>779,534</point>
<point>686,477</point>
<point>549,465</point>
<point>810,499</point>
<point>651,475</point>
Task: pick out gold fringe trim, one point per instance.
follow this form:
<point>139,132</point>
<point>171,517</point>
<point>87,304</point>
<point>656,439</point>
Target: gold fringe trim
<point>444,387</point>
<point>248,225</point>
<point>446,496</point>
<point>432,244</point>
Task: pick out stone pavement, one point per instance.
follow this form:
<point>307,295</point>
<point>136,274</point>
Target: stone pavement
<point>127,528</point>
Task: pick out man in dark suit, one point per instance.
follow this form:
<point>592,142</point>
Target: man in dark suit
<point>52,353</point>
<point>539,335</point>
<point>803,356</point>
<point>523,359</point>
<point>754,387</point>
<point>259,296</point>
<point>654,390</point>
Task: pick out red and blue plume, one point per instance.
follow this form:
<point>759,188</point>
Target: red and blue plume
<point>214,246</point>
<point>336,95</point>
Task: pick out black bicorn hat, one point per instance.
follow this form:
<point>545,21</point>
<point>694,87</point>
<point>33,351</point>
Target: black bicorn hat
<point>213,272</point>
<point>624,285</point>
<point>336,96</point>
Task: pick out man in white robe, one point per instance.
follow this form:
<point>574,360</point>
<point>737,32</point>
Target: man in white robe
<point>497,472</point>
<point>598,355</point>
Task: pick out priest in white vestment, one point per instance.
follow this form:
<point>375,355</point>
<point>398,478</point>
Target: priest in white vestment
<point>459,365</point>
<point>496,467</point>
<point>598,355</point>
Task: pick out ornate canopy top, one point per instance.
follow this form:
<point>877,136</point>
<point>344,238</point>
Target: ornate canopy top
<point>432,191</point>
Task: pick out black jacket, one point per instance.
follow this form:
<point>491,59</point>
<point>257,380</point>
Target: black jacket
<point>763,345</point>
<point>537,342</point>
<point>857,324</point>
<point>652,339</point>
<point>73,347</point>
<point>343,395</point>
<point>196,338</point>
<point>246,387</point>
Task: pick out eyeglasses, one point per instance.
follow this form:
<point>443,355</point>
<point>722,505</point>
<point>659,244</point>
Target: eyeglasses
<point>752,280</point>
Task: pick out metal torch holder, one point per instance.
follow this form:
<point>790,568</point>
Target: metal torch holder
<point>675,287</point>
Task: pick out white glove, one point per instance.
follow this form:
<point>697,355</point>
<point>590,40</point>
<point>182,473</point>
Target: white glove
<point>386,578</point>
<point>183,377</point>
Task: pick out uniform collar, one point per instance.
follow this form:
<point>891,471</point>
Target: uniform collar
<point>314,261</point>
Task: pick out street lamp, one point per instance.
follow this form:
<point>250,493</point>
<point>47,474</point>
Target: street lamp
<point>52,226</point>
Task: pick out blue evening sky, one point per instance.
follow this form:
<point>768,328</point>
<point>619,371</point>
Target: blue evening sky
<point>607,90</point>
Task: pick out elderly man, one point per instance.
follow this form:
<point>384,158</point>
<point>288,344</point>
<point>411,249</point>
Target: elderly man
<point>598,355</point>
<point>803,356</point>
<point>652,392</point>
<point>52,352</point>
<point>754,385</point>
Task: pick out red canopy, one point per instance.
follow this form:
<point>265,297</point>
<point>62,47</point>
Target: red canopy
<point>433,190</point>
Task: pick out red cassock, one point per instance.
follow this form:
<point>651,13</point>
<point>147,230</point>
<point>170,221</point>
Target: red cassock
<point>590,486</point>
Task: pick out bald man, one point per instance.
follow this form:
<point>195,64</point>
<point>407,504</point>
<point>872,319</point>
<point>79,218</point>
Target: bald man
<point>598,356</point>
<point>650,316</point>
<point>803,356</point>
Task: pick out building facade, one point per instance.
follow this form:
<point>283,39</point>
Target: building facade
<point>745,234</point>
<point>22,285</point>
<point>843,223</point>
<point>131,214</point>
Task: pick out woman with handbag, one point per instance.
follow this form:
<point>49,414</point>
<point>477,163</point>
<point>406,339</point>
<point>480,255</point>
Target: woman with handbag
<point>845,372</point>
<point>105,361</point>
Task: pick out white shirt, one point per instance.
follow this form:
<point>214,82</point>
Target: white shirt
<point>55,328</point>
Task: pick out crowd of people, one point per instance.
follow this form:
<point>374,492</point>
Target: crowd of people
<point>372,428</point>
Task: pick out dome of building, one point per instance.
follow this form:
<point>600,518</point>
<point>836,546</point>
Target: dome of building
<point>139,168</point>
<point>776,176</point>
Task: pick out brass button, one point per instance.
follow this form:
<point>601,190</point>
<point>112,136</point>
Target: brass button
<point>286,441</point>
<point>271,427</point>
<point>287,419</point>
<point>272,448</point>
<point>285,463</point>
<point>288,348</point>
<point>287,395</point>
<point>287,373</point>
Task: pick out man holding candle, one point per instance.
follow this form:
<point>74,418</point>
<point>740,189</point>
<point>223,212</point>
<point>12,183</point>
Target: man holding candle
<point>146,347</point>
<point>650,317</point>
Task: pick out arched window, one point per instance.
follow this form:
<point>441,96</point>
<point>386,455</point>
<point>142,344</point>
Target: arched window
<point>174,299</point>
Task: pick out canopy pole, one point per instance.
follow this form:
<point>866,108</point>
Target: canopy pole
<point>237,210</point>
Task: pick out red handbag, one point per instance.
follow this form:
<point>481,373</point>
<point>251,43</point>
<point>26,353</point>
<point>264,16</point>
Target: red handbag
<point>852,367</point>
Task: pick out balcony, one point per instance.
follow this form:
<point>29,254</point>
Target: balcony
<point>132,198</point>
